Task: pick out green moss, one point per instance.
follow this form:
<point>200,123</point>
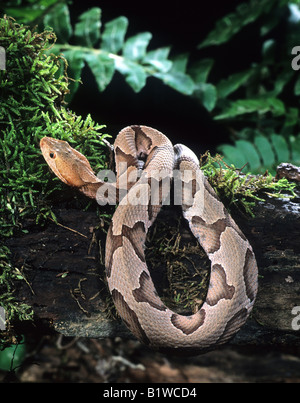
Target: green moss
<point>31,106</point>
<point>243,190</point>
<point>180,270</point>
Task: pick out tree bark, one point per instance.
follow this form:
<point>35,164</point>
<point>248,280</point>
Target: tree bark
<point>65,281</point>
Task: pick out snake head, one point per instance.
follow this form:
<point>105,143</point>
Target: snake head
<point>69,165</point>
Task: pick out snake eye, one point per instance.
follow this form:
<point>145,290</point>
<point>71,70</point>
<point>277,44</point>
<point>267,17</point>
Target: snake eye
<point>52,155</point>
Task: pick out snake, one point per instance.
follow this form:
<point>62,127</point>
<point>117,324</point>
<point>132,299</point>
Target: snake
<point>145,161</point>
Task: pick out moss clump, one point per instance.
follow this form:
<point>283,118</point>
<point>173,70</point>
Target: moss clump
<point>32,93</point>
<point>243,190</point>
<point>180,269</point>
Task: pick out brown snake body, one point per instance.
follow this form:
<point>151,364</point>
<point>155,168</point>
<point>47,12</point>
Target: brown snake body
<point>148,158</point>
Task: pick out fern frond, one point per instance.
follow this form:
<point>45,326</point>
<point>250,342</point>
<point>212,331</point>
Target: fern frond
<point>262,154</point>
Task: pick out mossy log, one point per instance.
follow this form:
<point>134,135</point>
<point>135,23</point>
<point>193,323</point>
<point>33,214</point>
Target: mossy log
<point>65,282</point>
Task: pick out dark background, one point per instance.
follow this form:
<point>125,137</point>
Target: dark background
<point>183,25</point>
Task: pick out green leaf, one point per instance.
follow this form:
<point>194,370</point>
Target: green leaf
<point>265,149</point>
<point>75,63</point>
<point>135,74</point>
<point>276,106</point>
<point>207,93</point>
<point>264,153</point>
<point>297,87</point>
<point>233,82</point>
<point>270,21</point>
<point>59,20</point>
<point>24,14</point>
<point>295,147</point>
<point>179,81</point>
<point>159,59</point>
<point>13,356</point>
<point>291,118</point>
<point>281,148</point>
<point>232,156</point>
<point>242,153</point>
<point>27,15</point>
<point>135,47</point>
<point>283,78</point>
<point>176,77</point>
<point>87,30</point>
<point>102,66</point>
<point>200,70</point>
<point>268,50</point>
<point>114,34</point>
<point>179,63</point>
<point>250,153</point>
<point>258,105</point>
<point>75,66</point>
<point>232,23</point>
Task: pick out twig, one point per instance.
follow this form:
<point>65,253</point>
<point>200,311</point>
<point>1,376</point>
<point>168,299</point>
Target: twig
<point>25,279</point>
<point>94,240</point>
<point>70,229</point>
<point>79,304</point>
<point>60,346</point>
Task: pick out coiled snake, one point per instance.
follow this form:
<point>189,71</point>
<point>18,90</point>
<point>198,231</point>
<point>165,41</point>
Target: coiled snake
<point>147,158</point>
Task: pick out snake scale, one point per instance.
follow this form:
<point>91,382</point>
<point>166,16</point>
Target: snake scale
<point>148,156</point>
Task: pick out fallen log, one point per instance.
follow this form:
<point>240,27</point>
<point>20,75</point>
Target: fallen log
<point>65,282</point>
